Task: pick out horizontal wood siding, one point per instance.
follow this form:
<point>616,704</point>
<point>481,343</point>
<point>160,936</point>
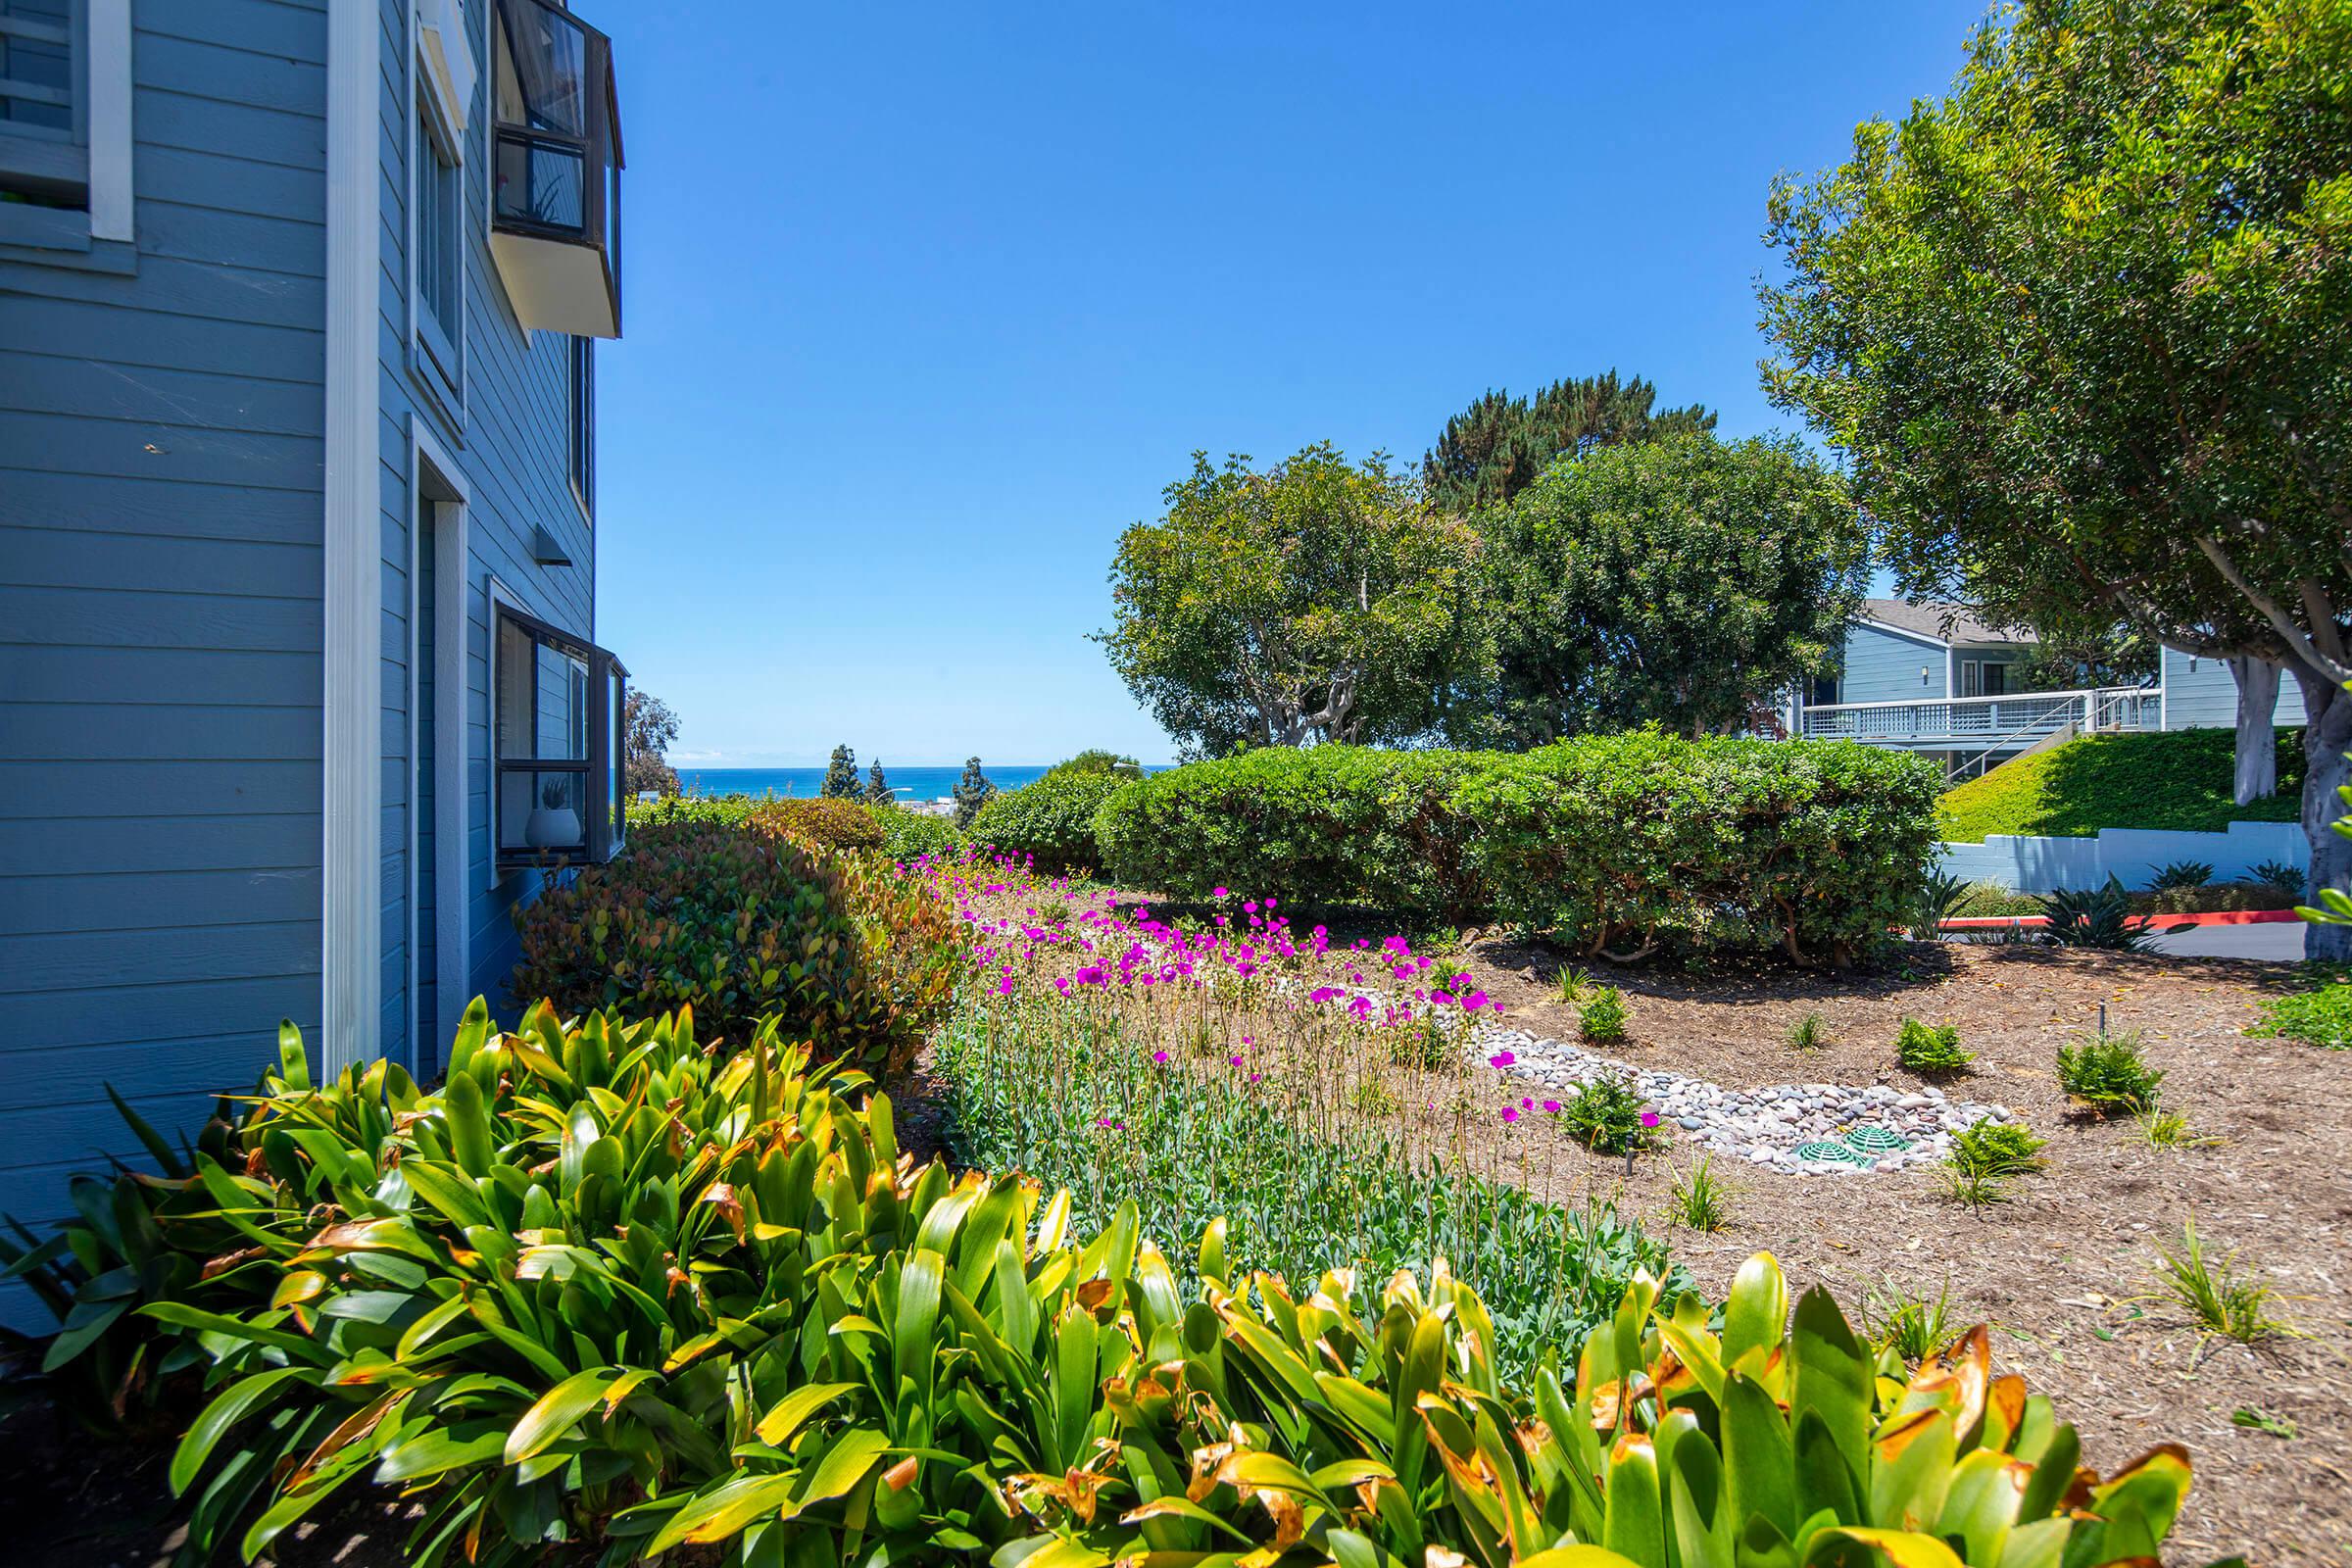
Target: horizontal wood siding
<point>2201,693</point>
<point>1883,666</point>
<point>159,611</point>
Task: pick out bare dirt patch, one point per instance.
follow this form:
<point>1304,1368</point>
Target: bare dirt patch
<point>2055,1269</point>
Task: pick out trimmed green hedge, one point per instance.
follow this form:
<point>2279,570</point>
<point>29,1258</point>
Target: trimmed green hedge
<point>1626,843</point>
<point>1643,842</point>
<point>2179,779</point>
<point>1051,820</point>
<point>1330,824</point>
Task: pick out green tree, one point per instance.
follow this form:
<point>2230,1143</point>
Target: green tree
<point>841,775</point>
<point>972,790</point>
<point>1495,448</point>
<point>877,787</point>
<point>1686,581</point>
<point>2098,652</point>
<point>2079,329</point>
<point>647,729</point>
<point>1095,759</point>
<point>1313,601</point>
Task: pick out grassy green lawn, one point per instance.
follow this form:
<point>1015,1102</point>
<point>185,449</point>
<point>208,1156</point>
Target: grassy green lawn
<point>2177,779</point>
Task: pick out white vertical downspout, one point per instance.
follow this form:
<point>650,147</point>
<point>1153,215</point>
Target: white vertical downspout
<point>351,978</point>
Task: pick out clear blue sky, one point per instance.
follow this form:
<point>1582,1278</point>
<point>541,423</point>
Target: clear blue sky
<point>926,303</point>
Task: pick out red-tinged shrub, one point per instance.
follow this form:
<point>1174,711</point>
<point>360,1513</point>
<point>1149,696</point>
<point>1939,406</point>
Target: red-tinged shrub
<point>743,924</point>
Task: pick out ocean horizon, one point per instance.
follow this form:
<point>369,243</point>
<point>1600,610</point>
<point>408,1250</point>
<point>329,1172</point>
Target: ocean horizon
<point>911,783</point>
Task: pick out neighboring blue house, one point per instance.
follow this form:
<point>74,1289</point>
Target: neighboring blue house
<point>299,688</point>
<point>1935,679</point>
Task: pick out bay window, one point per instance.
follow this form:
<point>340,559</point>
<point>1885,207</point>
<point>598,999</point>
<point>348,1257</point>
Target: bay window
<point>555,169</point>
<point>558,768</point>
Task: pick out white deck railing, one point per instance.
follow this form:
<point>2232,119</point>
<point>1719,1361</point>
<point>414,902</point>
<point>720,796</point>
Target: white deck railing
<point>2021,717</point>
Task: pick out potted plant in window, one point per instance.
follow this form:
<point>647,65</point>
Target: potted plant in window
<point>553,825</point>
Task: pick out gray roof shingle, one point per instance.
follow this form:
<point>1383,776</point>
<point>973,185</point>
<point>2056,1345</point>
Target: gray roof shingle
<point>1946,623</point>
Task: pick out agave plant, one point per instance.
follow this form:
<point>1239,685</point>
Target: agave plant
<point>2096,918</point>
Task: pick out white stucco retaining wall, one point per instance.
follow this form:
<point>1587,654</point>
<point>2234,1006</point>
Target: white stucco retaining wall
<point>2033,864</point>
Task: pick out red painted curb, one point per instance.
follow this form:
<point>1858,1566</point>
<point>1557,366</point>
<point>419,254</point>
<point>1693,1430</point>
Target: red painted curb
<point>1995,922</point>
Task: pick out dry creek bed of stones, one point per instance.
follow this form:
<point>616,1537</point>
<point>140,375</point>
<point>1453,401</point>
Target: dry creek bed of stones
<point>1764,1127</point>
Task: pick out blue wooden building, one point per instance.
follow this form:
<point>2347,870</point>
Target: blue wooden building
<point>1935,679</point>
<point>300,688</point>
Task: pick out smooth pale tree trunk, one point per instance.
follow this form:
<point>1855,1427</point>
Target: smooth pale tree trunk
<point>2327,737</point>
<point>2256,740</point>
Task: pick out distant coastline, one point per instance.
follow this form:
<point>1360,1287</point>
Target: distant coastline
<point>910,784</point>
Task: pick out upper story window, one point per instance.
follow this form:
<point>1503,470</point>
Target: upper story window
<point>560,743</point>
<point>65,122</point>
<point>580,384</point>
<point>440,248</point>
<point>554,212</point>
<point>444,91</point>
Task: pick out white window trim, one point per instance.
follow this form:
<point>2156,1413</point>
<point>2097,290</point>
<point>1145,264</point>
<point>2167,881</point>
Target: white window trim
<point>110,119</point>
<point>446,61</point>
<point>445,389</point>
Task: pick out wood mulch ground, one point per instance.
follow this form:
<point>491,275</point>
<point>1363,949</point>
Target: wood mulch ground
<point>2062,1270</point>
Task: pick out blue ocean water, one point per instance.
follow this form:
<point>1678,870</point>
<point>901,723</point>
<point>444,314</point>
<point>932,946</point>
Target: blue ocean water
<point>910,783</point>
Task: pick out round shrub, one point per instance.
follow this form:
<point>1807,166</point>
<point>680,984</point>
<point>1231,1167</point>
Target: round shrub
<point>826,823</point>
<point>742,926</point>
<point>908,835</point>
<point>1051,820</point>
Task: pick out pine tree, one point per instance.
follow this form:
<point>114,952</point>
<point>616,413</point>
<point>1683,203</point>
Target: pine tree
<point>1494,449</point>
<point>973,792</point>
<point>877,788</point>
<point>841,775</point>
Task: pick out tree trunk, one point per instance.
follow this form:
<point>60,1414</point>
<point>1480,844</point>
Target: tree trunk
<point>2327,737</point>
<point>2257,738</point>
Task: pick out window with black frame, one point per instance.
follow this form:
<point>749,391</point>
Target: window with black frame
<point>555,211</point>
<point>557,710</point>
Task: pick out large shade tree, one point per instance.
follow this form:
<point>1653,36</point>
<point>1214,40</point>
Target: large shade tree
<point>2084,330</point>
<point>1317,599</point>
<point>1687,582</point>
<point>1495,448</point>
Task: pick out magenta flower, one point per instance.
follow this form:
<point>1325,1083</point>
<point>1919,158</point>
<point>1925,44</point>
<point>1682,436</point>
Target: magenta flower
<point>1649,1118</point>
<point>1510,1113</point>
<point>1235,1060</point>
<point>1216,893</point>
<point>1501,1059</point>
<point>1474,1000</point>
<point>1160,1056</point>
<point>1553,1105</point>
